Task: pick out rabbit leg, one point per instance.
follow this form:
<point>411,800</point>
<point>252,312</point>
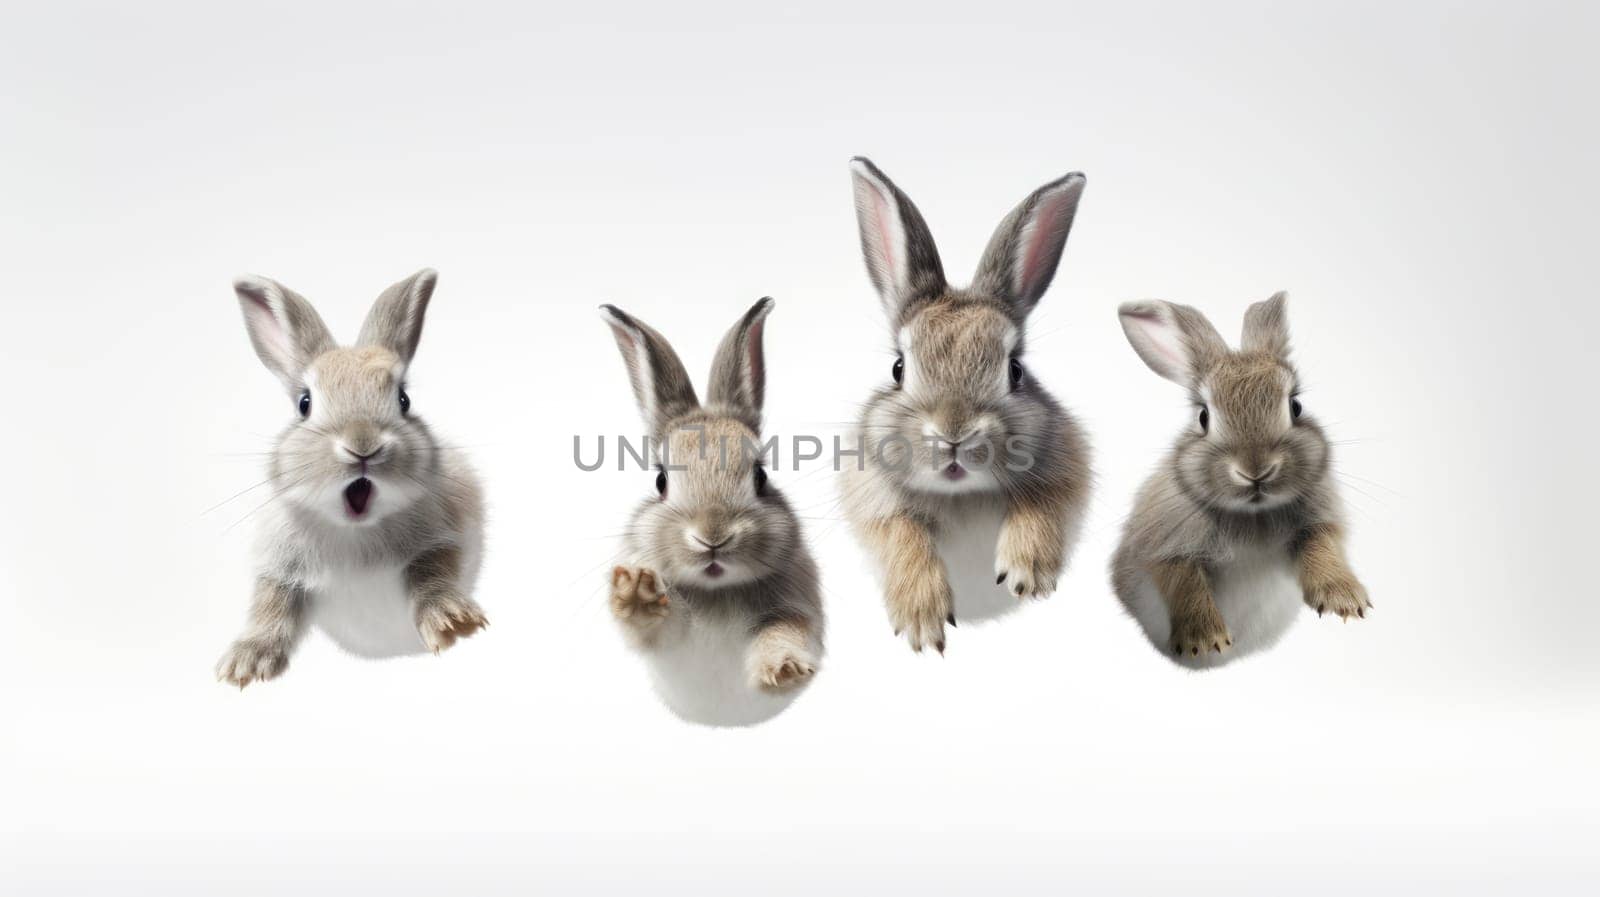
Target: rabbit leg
<point>1197,625</point>
<point>443,613</point>
<point>1325,575</point>
<point>277,622</point>
<point>642,606</point>
<point>916,586</point>
<point>780,655</point>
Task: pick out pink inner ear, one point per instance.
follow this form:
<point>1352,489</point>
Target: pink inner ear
<point>270,330</point>
<point>1042,238</point>
<point>1163,339</point>
<point>754,356</point>
<point>880,210</point>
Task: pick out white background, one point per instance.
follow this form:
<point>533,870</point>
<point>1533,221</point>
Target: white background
<point>1420,177</point>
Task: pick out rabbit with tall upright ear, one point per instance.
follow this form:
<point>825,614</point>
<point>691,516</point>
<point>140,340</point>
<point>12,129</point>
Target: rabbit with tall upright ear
<point>374,531</point>
<point>972,481</point>
<point>716,589</point>
<point>1241,522</point>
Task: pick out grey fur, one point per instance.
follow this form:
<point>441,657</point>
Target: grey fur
<point>738,383</point>
<point>395,320</point>
<point>660,383</point>
<point>927,280</point>
<point>998,273</point>
<point>285,330</point>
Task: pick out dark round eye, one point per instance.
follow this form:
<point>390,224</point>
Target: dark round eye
<point>761,480</point>
<point>405,402</point>
<point>1205,419</point>
<point>899,370</point>
<point>305,403</point>
<point>1016,373</point>
<point>1294,408</point>
<point>661,481</point>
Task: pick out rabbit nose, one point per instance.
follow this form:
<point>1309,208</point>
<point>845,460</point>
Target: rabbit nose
<point>710,544</point>
<point>941,434</point>
<point>1260,476</point>
<point>363,453</point>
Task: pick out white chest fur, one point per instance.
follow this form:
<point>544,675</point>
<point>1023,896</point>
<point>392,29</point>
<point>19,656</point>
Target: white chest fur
<point>365,610</point>
<point>704,675</point>
<point>966,543</point>
<point>1257,591</point>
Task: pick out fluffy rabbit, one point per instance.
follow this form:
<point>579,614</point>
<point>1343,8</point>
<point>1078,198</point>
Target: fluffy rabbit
<point>973,481</point>
<point>1241,522</point>
<point>373,532</point>
<point>718,591</point>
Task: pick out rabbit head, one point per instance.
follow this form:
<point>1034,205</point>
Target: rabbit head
<point>353,453</point>
<point>1250,445</point>
<point>959,408</point>
<point>714,520</point>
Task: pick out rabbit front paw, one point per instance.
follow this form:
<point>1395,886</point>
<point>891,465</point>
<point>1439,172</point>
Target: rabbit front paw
<point>637,598</point>
<point>785,669</point>
<point>1022,572</point>
<point>919,610</point>
<point>443,618</point>
<point>1344,595</point>
<point>1200,633</point>
<point>253,660</point>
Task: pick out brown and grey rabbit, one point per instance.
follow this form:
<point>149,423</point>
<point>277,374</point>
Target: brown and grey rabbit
<point>717,590</point>
<point>374,531</point>
<point>1242,522</point>
<point>973,481</point>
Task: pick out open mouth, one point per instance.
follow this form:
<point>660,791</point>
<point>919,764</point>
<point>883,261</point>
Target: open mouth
<point>713,570</point>
<point>953,471</point>
<point>357,495</point>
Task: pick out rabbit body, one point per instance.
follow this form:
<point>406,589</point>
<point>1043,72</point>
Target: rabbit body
<point>1241,523</point>
<point>373,532</point>
<point>716,589</point>
<point>354,581</point>
<point>973,481</point>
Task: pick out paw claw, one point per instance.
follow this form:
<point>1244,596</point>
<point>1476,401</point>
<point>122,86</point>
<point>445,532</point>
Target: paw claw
<point>1202,634</point>
<point>1345,597</point>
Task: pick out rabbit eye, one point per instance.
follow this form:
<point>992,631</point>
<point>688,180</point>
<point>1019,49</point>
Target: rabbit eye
<point>661,481</point>
<point>305,403</point>
<point>1016,373</point>
<point>1294,408</point>
<point>899,370</point>
<point>1205,420</point>
<point>761,480</point>
<point>405,402</point>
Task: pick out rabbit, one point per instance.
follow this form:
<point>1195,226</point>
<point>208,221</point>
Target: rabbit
<point>1241,522</point>
<point>972,481</point>
<point>717,591</point>
<point>374,532</point>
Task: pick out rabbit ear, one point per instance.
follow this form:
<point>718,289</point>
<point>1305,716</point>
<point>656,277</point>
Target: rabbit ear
<point>1266,327</point>
<point>1176,341</point>
<point>901,258</point>
<point>286,331</point>
<point>1026,247</point>
<point>395,321</point>
<point>739,370</point>
<point>659,380</point>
